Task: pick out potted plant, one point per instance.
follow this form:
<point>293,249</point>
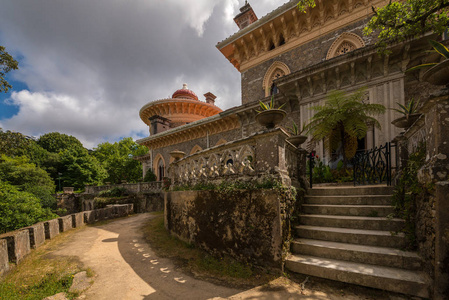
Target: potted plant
<point>296,137</point>
<point>269,116</point>
<point>438,74</point>
<point>410,114</point>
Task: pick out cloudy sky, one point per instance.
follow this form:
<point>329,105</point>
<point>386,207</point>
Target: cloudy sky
<point>86,67</point>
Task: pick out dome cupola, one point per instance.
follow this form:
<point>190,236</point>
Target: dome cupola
<point>185,93</point>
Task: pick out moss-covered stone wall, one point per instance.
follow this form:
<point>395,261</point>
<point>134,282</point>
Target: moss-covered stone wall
<point>251,226</point>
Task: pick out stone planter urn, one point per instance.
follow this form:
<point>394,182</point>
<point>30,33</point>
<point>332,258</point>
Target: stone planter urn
<point>271,117</point>
<point>177,155</point>
<point>439,74</point>
<point>297,140</point>
<point>405,122</point>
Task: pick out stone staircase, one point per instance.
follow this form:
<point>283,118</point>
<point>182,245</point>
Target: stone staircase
<point>345,235</point>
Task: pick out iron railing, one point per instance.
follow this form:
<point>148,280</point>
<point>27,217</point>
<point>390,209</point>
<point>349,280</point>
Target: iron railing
<point>373,166</point>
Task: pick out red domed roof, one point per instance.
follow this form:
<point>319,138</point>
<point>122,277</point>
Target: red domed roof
<point>185,93</point>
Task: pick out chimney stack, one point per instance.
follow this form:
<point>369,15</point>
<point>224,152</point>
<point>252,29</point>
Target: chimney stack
<point>210,98</point>
<point>246,17</point>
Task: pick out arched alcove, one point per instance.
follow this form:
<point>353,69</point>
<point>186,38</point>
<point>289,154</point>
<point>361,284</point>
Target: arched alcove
<point>345,43</point>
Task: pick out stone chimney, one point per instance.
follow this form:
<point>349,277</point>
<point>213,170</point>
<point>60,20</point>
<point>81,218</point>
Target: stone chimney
<point>210,98</point>
<point>246,16</point>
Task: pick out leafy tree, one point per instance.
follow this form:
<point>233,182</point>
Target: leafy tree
<point>14,143</point>
<point>7,63</point>
<point>20,209</point>
<point>118,160</point>
<point>56,142</point>
<point>27,177</point>
<point>79,169</point>
<point>342,120</point>
<point>399,20</point>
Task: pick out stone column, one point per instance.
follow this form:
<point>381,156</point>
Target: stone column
<point>270,154</point>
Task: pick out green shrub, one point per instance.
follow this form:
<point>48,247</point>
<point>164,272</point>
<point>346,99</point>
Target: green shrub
<point>150,176</point>
<point>114,192</point>
<point>20,209</point>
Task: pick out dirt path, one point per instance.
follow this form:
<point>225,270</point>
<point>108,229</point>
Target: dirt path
<point>126,268</point>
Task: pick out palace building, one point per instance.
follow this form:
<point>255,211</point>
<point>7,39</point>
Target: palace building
<point>299,58</point>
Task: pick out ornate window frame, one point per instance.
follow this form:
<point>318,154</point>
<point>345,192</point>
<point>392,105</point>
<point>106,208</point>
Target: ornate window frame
<point>268,79</point>
<point>346,38</point>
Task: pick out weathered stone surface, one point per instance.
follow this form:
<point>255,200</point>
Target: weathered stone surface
<point>77,220</point>
<point>131,207</point>
<point>442,241</point>
<point>51,228</point>
<point>80,283</point>
<point>18,244</point>
<point>100,214</point>
<point>37,235</point>
<point>65,223</point>
<point>246,225</point>
<point>108,212</point>
<point>59,296</point>
<point>89,216</point>
<point>4,264</point>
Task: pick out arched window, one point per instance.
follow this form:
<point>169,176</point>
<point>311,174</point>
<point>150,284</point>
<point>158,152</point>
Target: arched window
<point>161,170</point>
<point>159,167</point>
<point>345,43</point>
<point>276,70</point>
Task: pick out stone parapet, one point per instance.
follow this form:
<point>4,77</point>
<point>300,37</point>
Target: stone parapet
<point>65,223</point>
<point>89,216</point>
<point>265,153</point>
<point>51,228</point>
<point>77,220</point>
<point>37,235</point>
<point>4,264</point>
<point>18,244</point>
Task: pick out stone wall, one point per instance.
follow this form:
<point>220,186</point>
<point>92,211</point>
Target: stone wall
<point>248,225</point>
<point>432,206</point>
<point>299,58</point>
<point>14,246</point>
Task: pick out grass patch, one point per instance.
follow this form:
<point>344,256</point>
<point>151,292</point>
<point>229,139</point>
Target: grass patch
<point>224,270</point>
<point>40,274</point>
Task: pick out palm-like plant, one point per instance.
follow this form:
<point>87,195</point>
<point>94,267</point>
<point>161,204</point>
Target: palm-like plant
<point>407,110</point>
<point>438,48</point>
<point>342,120</point>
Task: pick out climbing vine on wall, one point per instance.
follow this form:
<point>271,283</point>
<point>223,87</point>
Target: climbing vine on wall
<point>407,191</point>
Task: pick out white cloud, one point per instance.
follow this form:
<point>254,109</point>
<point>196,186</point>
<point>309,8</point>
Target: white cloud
<point>91,65</point>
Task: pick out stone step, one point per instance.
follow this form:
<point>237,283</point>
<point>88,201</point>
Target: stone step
<point>352,236</point>
<point>349,200</point>
<point>354,222</point>
<point>349,190</point>
<point>381,256</point>
<point>391,279</point>
<point>348,210</point>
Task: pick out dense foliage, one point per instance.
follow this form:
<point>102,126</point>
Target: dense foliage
<point>118,160</point>
<point>342,120</point>
<point>20,209</point>
<point>27,177</point>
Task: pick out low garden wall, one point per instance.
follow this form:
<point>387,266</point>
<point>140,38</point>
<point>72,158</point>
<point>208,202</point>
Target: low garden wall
<point>14,246</point>
<point>252,226</point>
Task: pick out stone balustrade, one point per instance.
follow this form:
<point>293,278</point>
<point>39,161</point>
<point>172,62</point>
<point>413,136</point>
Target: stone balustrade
<point>263,153</point>
<point>140,187</point>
